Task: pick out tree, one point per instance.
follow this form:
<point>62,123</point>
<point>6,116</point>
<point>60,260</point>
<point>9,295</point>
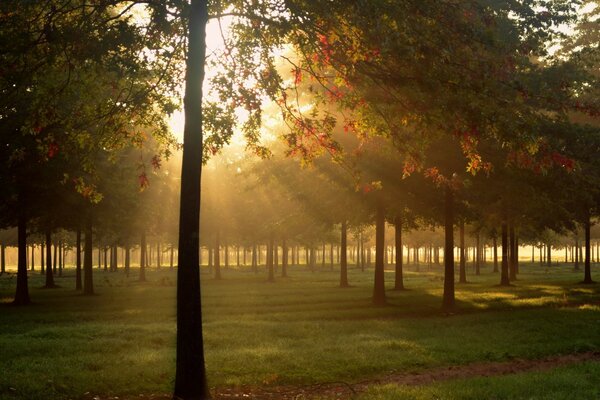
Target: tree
<point>190,373</point>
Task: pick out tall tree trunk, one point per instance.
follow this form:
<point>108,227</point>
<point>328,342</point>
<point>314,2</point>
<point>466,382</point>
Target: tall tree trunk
<point>270,254</point>
<point>448,297</point>
<point>106,258</point>
<point>495,253</point>
<point>576,254</point>
<point>88,279</point>
<point>171,253</point>
<point>504,278</point>
<point>43,259</point>
<point>22,291</point>
<point>512,257</point>
<point>254,260</point>
<point>478,254</point>
<point>462,259</point>
<point>49,271</point>
<point>217,256</point>
<point>331,256</point>
<point>284,258</point>
<point>343,256</point>
<point>190,374</point>
<point>55,260</point>
<point>78,284</point>
<point>60,257</point>
<point>549,254</point>
<point>3,258</point>
<point>587,266</point>
<point>379,279</point>
<point>127,259</point>
<point>143,259</point>
<point>399,278</point>
<point>32,266</point>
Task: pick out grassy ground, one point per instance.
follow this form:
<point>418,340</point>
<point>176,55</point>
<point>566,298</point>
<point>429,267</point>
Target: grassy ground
<point>300,330</point>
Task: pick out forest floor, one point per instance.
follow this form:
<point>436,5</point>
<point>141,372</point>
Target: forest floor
<point>303,337</point>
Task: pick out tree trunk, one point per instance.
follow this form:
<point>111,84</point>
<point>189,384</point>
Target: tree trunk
<point>60,257</point>
<point>343,256</point>
<point>106,258</point>
<point>379,280</point>
<point>495,254</point>
<point>22,292</point>
<point>477,254</point>
<point>190,374</point>
<point>284,258</point>
<point>127,259</point>
<point>448,297</point>
<point>32,264</point>
<point>254,260</point>
<point>549,254</point>
<point>143,259</point>
<point>270,254</point>
<point>88,280</point>
<point>171,253</point>
<point>43,259</point>
<point>3,258</point>
<point>55,260</point>
<point>217,256</point>
<point>331,256</point>
<point>512,257</point>
<point>504,278</point>
<point>399,278</point>
<point>462,259</point>
<point>49,271</point>
<point>78,284</point>
<point>587,266</point>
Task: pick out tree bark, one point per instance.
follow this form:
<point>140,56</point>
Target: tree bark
<point>3,258</point>
<point>399,278</point>
<point>379,279</point>
<point>88,280</point>
<point>78,284</point>
<point>143,259</point>
<point>462,260</point>
<point>284,258</point>
<point>343,256</point>
<point>512,258</point>
<point>504,278</point>
<point>448,297</point>
<point>49,271</point>
<point>22,291</point>
<point>477,254</point>
<point>495,253</point>
<point>217,256</point>
<point>270,254</point>
<point>190,374</point>
<point>587,266</point>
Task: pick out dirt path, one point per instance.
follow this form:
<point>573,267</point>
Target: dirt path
<point>342,390</point>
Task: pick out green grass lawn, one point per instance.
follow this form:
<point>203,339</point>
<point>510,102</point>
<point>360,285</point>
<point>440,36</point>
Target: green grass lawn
<point>300,330</point>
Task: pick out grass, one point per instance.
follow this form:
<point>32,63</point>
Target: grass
<point>298,330</point>
<point>574,382</point>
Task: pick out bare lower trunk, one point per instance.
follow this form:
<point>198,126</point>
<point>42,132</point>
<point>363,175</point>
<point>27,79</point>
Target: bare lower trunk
<point>504,278</point>
<point>399,278</point>
<point>190,373</point>
<point>379,298</point>
<point>88,280</point>
<point>448,296</point>
<point>22,292</point>
<point>343,257</point>
<point>78,284</point>
<point>462,261</point>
